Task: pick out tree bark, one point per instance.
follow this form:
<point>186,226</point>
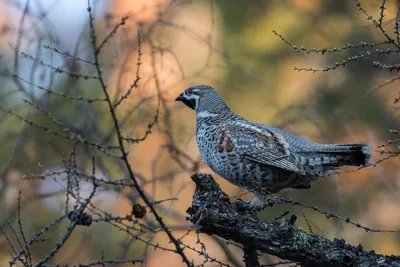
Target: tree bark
<point>215,214</point>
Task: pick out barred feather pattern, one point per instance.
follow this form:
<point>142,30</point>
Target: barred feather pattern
<point>263,158</point>
<point>223,158</point>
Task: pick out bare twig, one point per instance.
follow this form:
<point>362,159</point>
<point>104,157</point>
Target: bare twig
<point>179,249</point>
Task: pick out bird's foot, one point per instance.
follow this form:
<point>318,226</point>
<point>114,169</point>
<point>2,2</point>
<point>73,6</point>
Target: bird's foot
<point>257,201</point>
<point>255,204</point>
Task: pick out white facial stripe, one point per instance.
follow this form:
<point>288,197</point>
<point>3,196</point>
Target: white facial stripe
<point>205,114</point>
<point>196,97</point>
<point>192,97</point>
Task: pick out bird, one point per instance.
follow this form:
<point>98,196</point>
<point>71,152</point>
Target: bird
<point>262,158</point>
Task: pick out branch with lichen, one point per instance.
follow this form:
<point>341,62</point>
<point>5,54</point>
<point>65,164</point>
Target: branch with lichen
<point>214,213</point>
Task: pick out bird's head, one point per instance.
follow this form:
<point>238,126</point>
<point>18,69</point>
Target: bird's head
<point>201,97</point>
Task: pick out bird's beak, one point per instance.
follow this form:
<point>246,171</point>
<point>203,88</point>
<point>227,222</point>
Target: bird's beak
<point>180,97</point>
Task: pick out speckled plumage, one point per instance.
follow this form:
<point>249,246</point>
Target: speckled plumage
<point>258,157</point>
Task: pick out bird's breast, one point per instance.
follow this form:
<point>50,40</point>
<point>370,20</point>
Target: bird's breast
<point>216,148</point>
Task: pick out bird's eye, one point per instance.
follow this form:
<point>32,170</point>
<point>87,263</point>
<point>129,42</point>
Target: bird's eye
<point>189,91</point>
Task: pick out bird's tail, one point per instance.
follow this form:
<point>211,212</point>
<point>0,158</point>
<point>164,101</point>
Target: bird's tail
<point>346,154</point>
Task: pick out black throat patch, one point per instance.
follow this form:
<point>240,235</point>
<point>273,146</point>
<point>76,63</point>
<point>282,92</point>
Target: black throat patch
<point>191,103</point>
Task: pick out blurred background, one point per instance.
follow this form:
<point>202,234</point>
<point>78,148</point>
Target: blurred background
<point>229,45</point>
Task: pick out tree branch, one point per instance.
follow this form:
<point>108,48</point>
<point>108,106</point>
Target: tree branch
<point>250,257</point>
<point>215,214</point>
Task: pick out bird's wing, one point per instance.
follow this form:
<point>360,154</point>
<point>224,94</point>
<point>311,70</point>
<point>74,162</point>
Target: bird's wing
<point>262,146</point>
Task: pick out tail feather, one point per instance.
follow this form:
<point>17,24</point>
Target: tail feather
<point>349,154</point>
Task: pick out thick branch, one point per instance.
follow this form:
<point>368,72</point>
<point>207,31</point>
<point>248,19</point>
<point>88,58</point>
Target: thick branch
<point>215,214</point>
<point>250,257</point>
